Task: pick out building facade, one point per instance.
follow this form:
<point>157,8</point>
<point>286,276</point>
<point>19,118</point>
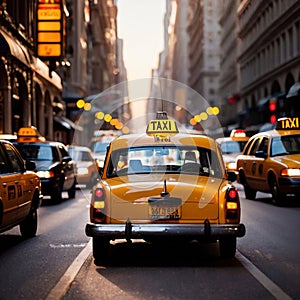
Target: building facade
<point>269,57</point>
<point>204,36</point>
<point>30,91</point>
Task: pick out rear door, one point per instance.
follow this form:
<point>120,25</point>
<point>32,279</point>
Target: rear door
<point>11,190</point>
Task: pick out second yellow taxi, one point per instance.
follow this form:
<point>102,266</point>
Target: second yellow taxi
<point>161,186</point>
<point>270,162</point>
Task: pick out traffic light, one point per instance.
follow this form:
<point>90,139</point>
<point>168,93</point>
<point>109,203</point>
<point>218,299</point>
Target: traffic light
<point>272,109</point>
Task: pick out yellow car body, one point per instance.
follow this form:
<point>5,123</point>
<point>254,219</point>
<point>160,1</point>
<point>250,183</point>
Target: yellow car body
<point>270,163</point>
<point>157,192</point>
<point>20,192</point>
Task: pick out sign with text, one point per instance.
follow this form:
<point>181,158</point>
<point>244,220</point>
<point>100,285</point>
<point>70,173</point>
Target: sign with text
<point>49,29</point>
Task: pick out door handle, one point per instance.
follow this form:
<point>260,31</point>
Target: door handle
<point>4,184</point>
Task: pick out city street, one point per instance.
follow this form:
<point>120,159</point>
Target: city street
<point>267,264</point>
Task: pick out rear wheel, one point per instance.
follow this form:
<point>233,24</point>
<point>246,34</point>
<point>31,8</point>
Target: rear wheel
<point>227,247</point>
<point>249,193</point>
<point>100,250</point>
<point>72,191</point>
<point>28,227</point>
<point>56,195</point>
<point>277,196</point>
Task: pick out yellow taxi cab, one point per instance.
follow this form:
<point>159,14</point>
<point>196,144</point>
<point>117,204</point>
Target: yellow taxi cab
<point>20,191</point>
<point>270,162</point>
<point>232,146</point>
<point>164,185</point>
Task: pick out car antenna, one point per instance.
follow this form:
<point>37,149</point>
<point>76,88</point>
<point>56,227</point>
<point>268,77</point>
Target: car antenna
<point>165,193</point>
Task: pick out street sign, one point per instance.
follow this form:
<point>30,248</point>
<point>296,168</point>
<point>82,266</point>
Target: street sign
<point>49,29</point>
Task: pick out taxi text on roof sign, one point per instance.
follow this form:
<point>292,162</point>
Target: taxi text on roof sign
<point>162,127</point>
<point>288,123</point>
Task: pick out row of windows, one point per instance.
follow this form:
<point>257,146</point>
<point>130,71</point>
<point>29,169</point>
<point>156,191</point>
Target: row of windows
<point>278,51</point>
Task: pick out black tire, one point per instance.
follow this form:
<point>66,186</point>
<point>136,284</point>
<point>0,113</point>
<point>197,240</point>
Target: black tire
<point>100,250</point>
<point>227,247</point>
<point>56,195</point>
<point>28,227</point>
<point>72,191</point>
<point>277,196</point>
<point>249,193</point>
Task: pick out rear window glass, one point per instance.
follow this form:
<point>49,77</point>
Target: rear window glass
<point>164,159</point>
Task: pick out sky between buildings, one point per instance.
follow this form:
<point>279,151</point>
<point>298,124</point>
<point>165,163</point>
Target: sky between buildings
<point>140,25</point>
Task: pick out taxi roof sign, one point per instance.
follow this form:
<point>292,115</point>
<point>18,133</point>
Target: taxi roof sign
<point>162,126</point>
<point>236,133</point>
<point>29,134</point>
<point>288,123</point>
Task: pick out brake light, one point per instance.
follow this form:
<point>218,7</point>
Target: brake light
<point>99,194</point>
<point>232,205</point>
<point>98,205</point>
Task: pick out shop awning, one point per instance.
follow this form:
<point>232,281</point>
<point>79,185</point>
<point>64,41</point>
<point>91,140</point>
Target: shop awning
<point>16,49</point>
<point>67,123</point>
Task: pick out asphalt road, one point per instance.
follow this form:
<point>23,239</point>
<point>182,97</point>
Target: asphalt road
<point>58,262</point>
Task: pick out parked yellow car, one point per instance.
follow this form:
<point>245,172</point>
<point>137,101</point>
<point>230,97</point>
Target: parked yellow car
<point>20,192</point>
<point>164,185</point>
<point>270,162</point>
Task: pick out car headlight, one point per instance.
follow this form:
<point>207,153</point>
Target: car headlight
<point>231,165</point>
<point>45,174</point>
<point>82,171</point>
<point>290,172</point>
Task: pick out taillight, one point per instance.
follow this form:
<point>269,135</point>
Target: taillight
<point>98,205</point>
<point>232,205</point>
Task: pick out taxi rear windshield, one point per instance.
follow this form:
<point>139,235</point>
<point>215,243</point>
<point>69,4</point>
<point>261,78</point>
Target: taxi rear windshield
<point>37,152</point>
<point>233,147</point>
<point>164,159</point>
<point>285,145</point>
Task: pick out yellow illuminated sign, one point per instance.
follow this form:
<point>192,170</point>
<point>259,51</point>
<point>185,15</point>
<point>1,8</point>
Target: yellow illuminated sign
<point>49,12</point>
<point>49,26</point>
<point>48,37</point>
<point>49,50</point>
<point>156,127</point>
<point>288,123</point>
<point>49,29</point>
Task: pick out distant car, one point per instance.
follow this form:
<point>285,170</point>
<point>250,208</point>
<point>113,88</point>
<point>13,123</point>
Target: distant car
<point>231,147</point>
<point>87,169</point>
<point>100,147</point>
<point>20,191</point>
<point>164,186</point>
<point>54,164</point>
<point>270,162</point>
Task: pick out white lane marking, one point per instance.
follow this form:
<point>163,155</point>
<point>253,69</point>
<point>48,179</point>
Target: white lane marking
<point>55,246</point>
<point>274,289</point>
<point>65,281</point>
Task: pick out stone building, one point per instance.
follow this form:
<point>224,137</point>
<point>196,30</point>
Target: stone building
<point>30,91</point>
<point>269,57</point>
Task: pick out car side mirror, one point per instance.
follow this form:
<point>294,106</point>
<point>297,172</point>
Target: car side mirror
<point>231,176</point>
<point>260,154</point>
<point>66,159</point>
<point>30,165</point>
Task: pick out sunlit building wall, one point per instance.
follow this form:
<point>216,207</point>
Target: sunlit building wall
<point>269,56</point>
<point>229,81</point>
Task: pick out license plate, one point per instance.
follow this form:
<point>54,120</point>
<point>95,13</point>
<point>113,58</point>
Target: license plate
<point>164,212</point>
